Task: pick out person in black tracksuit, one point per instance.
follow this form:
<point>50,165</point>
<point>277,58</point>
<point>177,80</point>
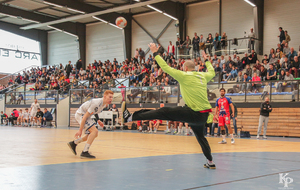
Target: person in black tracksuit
<point>265,110</point>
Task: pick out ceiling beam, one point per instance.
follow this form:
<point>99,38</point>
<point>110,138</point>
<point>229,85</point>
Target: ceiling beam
<point>72,18</point>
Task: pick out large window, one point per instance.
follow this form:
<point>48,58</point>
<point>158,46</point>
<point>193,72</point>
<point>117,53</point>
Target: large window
<point>18,52</point>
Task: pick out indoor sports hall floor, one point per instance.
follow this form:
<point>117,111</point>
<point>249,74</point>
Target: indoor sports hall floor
<point>35,158</point>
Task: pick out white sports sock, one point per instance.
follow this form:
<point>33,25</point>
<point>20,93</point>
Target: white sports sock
<point>77,141</point>
<point>210,162</point>
<point>86,148</point>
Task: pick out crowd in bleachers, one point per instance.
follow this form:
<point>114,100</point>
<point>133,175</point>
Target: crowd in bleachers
<point>281,63</point>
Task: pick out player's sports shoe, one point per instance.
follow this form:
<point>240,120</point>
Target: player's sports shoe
<point>209,166</point>
<point>223,142</point>
<point>264,137</point>
<point>126,113</point>
<point>72,146</point>
<point>86,155</point>
<point>232,141</point>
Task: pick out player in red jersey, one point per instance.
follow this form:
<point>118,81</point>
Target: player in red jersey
<point>222,105</point>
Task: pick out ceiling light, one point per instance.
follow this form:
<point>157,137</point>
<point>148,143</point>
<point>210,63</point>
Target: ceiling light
<point>70,34</point>
<point>250,3</point>
<point>115,26</point>
<point>8,15</point>
<point>170,16</point>
<point>25,19</point>
<point>54,28</point>
<point>154,8</point>
<point>100,19</point>
<point>48,3</point>
<point>76,10</point>
<point>137,0</point>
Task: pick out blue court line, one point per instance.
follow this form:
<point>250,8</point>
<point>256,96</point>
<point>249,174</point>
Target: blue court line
<point>243,170</point>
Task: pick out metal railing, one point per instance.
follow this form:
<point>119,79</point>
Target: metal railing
<point>234,46</point>
<point>28,97</point>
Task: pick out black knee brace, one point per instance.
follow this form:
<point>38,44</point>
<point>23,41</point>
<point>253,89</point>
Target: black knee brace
<point>223,132</point>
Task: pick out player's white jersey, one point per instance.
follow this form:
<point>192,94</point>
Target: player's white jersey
<point>25,115</point>
<point>93,106</point>
<point>21,114</point>
<point>34,107</point>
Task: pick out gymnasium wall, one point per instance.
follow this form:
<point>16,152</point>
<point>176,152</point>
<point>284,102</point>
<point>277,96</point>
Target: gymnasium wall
<point>202,18</point>
<point>283,14</point>
<point>62,48</point>
<point>154,23</point>
<point>237,17</point>
<point>104,42</point>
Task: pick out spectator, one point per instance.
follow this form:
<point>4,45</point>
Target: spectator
<point>4,117</point>
<point>292,54</point>
<point>288,77</point>
<point>266,90</point>
<point>271,75</point>
<point>217,44</point>
<point>171,49</point>
<point>272,51</point>
<point>209,43</point>
<point>215,60</point>
<point>202,43</point>
<point>47,117</point>
<point>239,63</point>
<point>224,43</point>
<point>266,64</point>
<point>187,44</point>
<point>79,64</point>
<point>248,71</point>
<point>265,110</point>
<point>280,82</point>
<point>286,49</point>
<point>68,69</point>
<point>196,50</point>
<point>294,66</point>
<point>287,37</point>
<point>257,65</point>
<point>255,84</point>
<point>20,98</point>
<point>273,60</point>
<point>281,36</point>
<point>253,56</point>
<point>248,85</point>
<point>254,70</point>
<point>179,47</point>
<point>278,53</point>
<point>229,62</point>
<point>265,58</point>
<point>263,73</point>
<point>142,55</point>
<point>245,60</point>
<point>251,42</point>
<point>233,73</point>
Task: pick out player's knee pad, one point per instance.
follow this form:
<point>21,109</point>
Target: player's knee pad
<point>223,132</point>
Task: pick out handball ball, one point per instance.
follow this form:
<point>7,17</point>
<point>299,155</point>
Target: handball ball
<point>121,22</point>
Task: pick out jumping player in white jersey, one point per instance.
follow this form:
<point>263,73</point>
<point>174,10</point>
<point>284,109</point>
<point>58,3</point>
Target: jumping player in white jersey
<point>87,124</point>
<point>33,110</point>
